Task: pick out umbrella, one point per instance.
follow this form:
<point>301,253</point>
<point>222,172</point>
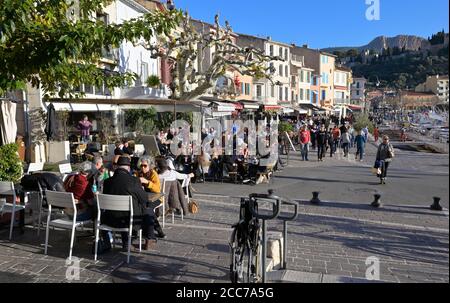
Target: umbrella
<point>8,125</point>
<point>50,127</point>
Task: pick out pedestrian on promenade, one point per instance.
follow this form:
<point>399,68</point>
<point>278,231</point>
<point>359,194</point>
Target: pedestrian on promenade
<point>84,126</point>
<point>360,145</point>
<point>385,154</point>
<point>322,141</point>
<point>366,133</point>
<point>305,140</point>
<point>313,136</point>
<point>336,133</point>
<point>376,134</point>
<point>345,142</point>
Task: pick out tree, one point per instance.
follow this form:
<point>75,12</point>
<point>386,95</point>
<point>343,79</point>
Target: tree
<point>185,46</point>
<point>352,53</point>
<point>57,45</point>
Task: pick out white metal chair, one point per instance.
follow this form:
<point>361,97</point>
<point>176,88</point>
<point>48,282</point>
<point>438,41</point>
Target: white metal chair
<point>163,202</point>
<point>65,200</point>
<point>65,169</point>
<point>115,203</point>
<point>7,189</point>
<point>33,167</point>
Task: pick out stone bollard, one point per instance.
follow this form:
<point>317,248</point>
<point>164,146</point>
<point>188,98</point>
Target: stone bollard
<point>376,202</point>
<point>436,205</point>
<point>315,198</point>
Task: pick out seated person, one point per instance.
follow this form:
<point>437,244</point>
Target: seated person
<point>124,184</point>
<point>99,173</point>
<point>119,149</point>
<point>150,182</point>
<point>81,188</point>
<point>126,149</point>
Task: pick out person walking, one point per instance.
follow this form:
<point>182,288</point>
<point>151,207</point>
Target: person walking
<point>322,141</point>
<point>305,139</point>
<point>336,134</point>
<point>385,154</point>
<point>366,133</point>
<point>376,134</point>
<point>345,142</point>
<point>360,145</point>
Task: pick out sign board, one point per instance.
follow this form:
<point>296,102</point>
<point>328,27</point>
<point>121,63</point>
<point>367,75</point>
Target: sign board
<point>290,141</point>
<point>151,145</point>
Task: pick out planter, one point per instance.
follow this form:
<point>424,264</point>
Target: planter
<point>58,151</point>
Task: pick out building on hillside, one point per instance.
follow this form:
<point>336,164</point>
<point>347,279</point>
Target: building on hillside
<point>411,100</point>
<point>327,67</point>
<point>436,84</point>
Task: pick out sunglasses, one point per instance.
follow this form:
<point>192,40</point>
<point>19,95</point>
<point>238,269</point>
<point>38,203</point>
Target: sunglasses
<point>143,165</point>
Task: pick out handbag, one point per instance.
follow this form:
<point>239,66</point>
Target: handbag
<point>193,207</point>
<point>377,164</point>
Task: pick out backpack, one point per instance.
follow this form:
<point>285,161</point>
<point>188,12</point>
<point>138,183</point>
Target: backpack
<point>193,207</point>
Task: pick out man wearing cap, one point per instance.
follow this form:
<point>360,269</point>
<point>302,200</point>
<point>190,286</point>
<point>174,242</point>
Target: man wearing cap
<point>124,184</point>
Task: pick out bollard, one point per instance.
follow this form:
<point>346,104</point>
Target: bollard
<point>436,205</point>
<point>315,199</point>
<point>376,202</point>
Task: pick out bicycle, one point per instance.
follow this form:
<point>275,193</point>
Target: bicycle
<point>248,239</point>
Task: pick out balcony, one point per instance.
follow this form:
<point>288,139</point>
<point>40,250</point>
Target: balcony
<point>259,98</point>
<point>110,56</point>
<point>340,101</point>
<point>298,61</point>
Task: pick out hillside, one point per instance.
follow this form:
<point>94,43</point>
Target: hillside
<point>405,71</point>
<point>412,43</point>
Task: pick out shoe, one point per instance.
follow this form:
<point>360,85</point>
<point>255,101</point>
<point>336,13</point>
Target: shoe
<point>150,244</point>
<point>161,235</point>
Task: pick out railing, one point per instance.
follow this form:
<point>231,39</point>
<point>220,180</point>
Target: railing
<point>341,101</point>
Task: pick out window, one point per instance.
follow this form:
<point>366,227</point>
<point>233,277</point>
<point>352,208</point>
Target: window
<point>302,91</point>
<point>357,92</point>
<point>286,71</point>
<point>286,93</point>
<point>285,54</point>
<point>308,77</point>
<point>242,88</point>
<point>144,72</point>
<point>247,89</point>
<point>88,89</point>
<point>272,91</point>
<point>302,77</point>
<point>292,96</point>
<point>281,52</point>
<point>280,96</point>
<point>357,85</point>
<point>308,94</point>
<point>103,17</point>
<point>258,91</point>
<point>271,50</point>
<point>281,70</point>
<point>324,94</point>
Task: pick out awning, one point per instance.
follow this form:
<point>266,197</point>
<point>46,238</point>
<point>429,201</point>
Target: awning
<point>355,107</point>
<point>272,107</point>
<point>309,106</point>
<point>238,106</point>
<point>288,110</point>
<point>250,105</point>
<point>82,107</point>
<point>224,107</point>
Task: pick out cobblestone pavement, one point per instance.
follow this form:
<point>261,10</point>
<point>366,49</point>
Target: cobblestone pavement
<point>330,238</point>
<point>335,237</point>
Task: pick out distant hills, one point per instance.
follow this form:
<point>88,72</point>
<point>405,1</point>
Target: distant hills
<point>409,42</point>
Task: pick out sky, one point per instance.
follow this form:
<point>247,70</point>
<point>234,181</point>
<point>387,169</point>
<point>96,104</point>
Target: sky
<point>324,23</point>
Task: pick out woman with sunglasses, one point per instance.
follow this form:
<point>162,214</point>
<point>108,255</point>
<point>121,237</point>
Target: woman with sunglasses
<point>150,181</point>
<point>385,154</point>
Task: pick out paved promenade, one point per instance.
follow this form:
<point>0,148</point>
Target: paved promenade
<point>332,238</point>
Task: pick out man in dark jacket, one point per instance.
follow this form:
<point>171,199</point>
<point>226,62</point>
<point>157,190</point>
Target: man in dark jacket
<point>124,184</point>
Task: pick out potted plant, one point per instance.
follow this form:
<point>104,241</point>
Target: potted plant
<point>153,81</point>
